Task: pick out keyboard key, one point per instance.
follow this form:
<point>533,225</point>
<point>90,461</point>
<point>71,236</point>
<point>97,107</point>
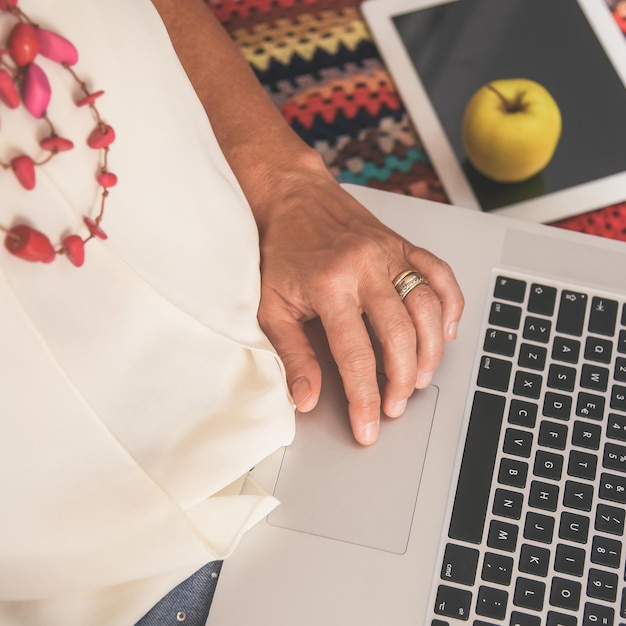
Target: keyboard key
<point>511,289</point>
<point>571,316</point>
<point>544,496</point>
<point>609,519</point>
<point>619,373</point>
<point>479,457</point>
<point>553,435</point>
<point>602,585</point>
<point>602,316</point>
<point>502,536</point>
<point>613,488</point>
<point>518,442</point>
<point>524,619</point>
<point>590,406</point>
<point>529,594</point>
<point>497,568</point>
<point>616,427</point>
<point>557,405</point>
<point>599,350</point>
<point>622,610</point>
<point>494,373</point>
<point>453,602</point>
<point>512,473</point>
<point>459,564</point>
<point>561,619</point>
<point>582,465</point>
<point>539,527</point>
<point>534,560</point>
<point>522,413</point>
<point>574,527</point>
<point>569,560</point>
<point>578,495</point>
<point>505,315</point>
<point>565,593</point>
<point>586,435</point>
<point>492,602</point>
<point>606,551</point>
<point>618,398</point>
<point>594,377</point>
<point>561,377</point>
<point>537,329</point>
<point>527,384</point>
<point>532,357</point>
<point>508,503</point>
<point>541,299</point>
<point>567,349</point>
<point>614,457</point>
<point>597,615</point>
<point>500,342</point>
<point>548,465</point>
<point>621,341</point>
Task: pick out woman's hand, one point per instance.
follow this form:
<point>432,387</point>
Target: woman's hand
<point>323,254</point>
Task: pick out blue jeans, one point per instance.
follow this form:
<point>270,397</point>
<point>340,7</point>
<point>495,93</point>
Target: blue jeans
<point>189,603</point>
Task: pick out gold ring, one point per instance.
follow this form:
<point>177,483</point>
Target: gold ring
<point>407,281</point>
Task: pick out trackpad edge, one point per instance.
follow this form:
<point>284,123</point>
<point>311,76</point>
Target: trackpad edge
<point>330,486</point>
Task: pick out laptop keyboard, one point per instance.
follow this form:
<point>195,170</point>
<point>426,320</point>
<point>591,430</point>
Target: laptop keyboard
<point>537,526</point>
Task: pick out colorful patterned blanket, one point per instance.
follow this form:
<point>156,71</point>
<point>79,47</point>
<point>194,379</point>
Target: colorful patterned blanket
<point>317,60</point>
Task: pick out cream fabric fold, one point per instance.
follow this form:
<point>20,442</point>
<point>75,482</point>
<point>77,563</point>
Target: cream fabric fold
<point>137,391</point>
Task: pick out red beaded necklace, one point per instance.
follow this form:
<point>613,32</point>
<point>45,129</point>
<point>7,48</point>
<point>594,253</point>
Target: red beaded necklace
<point>23,82</point>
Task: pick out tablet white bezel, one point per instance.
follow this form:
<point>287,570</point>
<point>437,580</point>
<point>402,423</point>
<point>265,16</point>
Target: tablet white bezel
<point>547,208</point>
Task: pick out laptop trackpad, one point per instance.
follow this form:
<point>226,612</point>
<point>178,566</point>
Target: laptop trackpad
<point>330,486</point>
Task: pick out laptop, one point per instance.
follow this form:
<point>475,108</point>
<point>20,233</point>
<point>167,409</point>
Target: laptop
<point>439,52</point>
<point>499,497</point>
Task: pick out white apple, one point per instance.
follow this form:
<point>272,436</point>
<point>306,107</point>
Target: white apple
<point>511,128</point>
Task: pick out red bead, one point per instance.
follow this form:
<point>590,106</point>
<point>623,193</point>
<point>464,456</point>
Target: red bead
<point>101,137</point>
<point>92,97</point>
<point>23,43</point>
<point>56,144</point>
<point>94,229</point>
<point>24,168</point>
<point>7,5</point>
<point>29,244</point>
<point>8,90</point>
<point>74,248</point>
<point>56,48</point>
<point>107,179</point>
<point>36,90</point>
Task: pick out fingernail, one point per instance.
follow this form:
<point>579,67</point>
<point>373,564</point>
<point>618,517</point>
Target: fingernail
<point>452,330</point>
<point>423,380</point>
<point>300,391</point>
<point>397,408</point>
<point>369,433</point>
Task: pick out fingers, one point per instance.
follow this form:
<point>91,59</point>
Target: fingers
<point>304,377</point>
<point>444,285</point>
<point>352,350</point>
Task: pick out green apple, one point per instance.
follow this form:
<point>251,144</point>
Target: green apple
<point>511,129</point>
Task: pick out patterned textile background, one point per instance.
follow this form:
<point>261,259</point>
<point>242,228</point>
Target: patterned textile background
<point>317,60</point>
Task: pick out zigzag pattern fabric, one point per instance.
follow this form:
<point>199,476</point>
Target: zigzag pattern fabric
<point>317,61</point>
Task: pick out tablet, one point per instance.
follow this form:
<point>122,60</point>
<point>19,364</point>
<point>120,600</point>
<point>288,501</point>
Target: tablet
<point>439,52</point>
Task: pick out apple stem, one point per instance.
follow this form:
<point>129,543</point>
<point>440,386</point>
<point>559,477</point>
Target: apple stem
<point>514,106</point>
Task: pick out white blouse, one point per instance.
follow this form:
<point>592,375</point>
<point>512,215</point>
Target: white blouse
<point>138,390</point>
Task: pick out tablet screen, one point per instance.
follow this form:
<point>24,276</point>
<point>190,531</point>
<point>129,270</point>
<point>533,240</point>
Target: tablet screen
<point>456,47</point>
